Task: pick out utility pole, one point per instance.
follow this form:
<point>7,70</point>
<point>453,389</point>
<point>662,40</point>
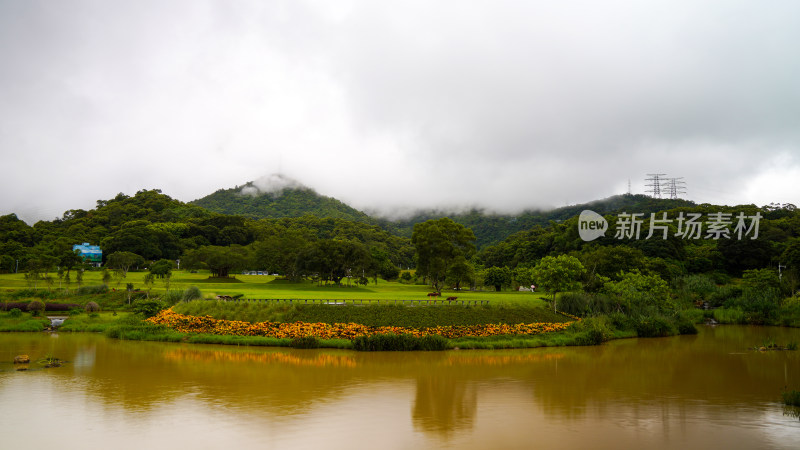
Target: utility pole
<point>780,275</point>
<point>674,186</point>
<point>655,183</point>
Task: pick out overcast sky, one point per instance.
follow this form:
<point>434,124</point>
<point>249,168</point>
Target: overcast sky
<point>391,105</point>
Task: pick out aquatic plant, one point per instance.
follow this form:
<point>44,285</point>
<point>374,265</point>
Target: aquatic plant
<point>305,342</point>
<point>791,398</point>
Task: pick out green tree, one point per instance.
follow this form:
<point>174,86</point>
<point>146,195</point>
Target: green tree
<point>106,277</point>
<point>69,260</point>
<point>34,273</point>
<point>791,259</point>
<point>497,277</point>
<point>278,253</point>
<point>221,261</point>
<point>122,262</point>
<point>557,274</point>
<point>149,279</point>
<point>639,293</point>
<point>744,254</point>
<point>438,244</point>
<point>334,259</point>
<point>522,276</point>
<point>162,268</point>
<point>460,271</point>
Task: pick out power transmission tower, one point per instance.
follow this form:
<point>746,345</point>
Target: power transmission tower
<point>675,187</point>
<point>629,186</point>
<point>655,184</point>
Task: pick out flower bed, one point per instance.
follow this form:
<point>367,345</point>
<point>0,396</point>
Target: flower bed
<point>209,325</point>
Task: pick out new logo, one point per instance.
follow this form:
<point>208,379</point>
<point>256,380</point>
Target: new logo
<point>591,225</point>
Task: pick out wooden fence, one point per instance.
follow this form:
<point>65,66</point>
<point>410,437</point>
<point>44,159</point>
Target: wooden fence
<point>361,302</point>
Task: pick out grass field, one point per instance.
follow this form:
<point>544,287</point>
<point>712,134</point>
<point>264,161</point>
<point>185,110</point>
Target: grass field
<point>269,287</point>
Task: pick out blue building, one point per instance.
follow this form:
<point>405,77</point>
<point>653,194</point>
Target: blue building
<point>91,254</point>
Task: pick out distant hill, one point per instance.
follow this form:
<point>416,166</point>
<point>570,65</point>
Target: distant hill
<point>493,228</point>
<point>297,201</point>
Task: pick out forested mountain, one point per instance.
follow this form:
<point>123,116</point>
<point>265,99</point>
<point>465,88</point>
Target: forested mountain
<point>493,228</point>
<point>249,201</point>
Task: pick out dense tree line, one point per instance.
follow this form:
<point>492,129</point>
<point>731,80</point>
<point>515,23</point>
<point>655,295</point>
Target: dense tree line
<point>141,230</point>
<point>154,226</point>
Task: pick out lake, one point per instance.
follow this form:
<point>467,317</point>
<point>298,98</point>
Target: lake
<point>703,391</point>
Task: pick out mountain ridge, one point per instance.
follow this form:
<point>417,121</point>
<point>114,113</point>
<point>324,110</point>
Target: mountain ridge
<point>292,199</point>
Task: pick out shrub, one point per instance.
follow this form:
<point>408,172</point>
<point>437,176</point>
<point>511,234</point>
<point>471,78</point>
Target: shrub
<point>192,293</point>
<point>685,326</point>
<point>15,312</point>
<point>148,308</point>
<point>305,342</point>
<point>575,303</point>
<point>433,343</point>
<point>399,342</point>
<point>590,337</point>
<point>385,342</point>
<point>92,307</point>
<point>61,306</point>
<point>172,297</point>
<point>723,294</point>
<point>35,306</point>
<point>720,277</point>
<point>593,331</point>
<point>653,326</point>
<point>791,398</point>
<point>75,312</point>
<point>620,321</point>
<point>729,315</point>
<point>92,290</point>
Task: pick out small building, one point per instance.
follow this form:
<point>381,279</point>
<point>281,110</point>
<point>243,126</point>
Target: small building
<point>91,254</point>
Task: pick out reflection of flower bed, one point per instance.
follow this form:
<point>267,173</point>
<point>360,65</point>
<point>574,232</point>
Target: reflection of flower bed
<point>489,360</point>
<point>207,324</point>
<point>319,360</point>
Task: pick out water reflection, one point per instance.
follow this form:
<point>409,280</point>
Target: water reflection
<point>657,393</point>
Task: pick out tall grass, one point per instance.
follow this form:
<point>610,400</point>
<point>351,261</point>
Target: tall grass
<point>134,329</point>
<point>730,316</point>
<point>791,398</point>
<point>26,325</point>
<point>399,342</point>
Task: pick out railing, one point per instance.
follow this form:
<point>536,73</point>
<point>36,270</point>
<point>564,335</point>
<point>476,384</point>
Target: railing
<point>362,302</point>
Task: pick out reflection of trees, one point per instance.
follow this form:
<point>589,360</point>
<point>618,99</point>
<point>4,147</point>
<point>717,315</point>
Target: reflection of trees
<point>669,373</point>
<point>666,373</point>
<point>444,404</point>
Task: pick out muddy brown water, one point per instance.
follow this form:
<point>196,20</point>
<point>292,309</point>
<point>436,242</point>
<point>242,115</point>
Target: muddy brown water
<point>704,391</point>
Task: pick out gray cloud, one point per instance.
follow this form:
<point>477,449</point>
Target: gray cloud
<point>391,106</point>
<point>273,184</point>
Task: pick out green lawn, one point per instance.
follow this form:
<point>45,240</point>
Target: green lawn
<point>268,287</point>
